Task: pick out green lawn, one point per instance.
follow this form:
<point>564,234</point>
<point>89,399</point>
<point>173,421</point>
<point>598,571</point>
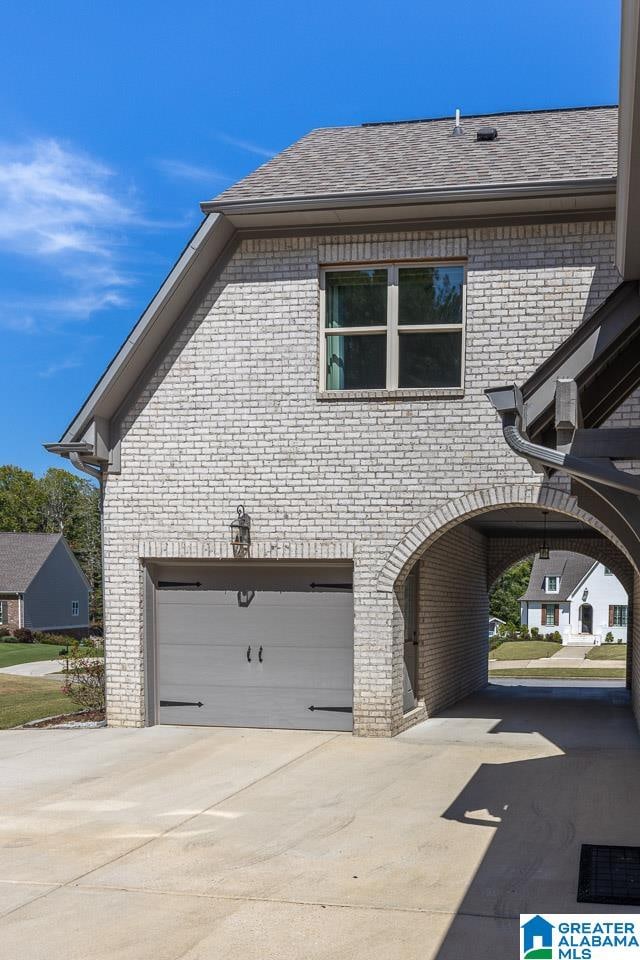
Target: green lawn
<point>525,650</point>
<point>30,698</point>
<point>608,651</point>
<point>12,653</point>
<point>560,673</point>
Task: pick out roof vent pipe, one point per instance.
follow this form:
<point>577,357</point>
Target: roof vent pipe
<point>457,130</point>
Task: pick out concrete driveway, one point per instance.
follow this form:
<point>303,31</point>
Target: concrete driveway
<point>213,844</point>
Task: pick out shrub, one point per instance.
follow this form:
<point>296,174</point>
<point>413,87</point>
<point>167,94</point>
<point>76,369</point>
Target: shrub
<point>8,639</point>
<point>495,642</point>
<point>620,640</point>
<point>23,635</point>
<point>609,637</point>
<point>535,633</point>
<point>85,679</point>
<point>4,632</point>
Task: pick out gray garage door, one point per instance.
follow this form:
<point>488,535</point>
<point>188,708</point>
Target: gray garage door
<point>255,645</point>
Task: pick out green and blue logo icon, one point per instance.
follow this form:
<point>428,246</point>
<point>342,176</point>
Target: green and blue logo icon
<point>537,939</point>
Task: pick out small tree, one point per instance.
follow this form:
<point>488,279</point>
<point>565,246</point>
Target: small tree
<point>85,679</point>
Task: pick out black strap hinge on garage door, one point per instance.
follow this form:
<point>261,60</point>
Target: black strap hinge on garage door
<point>181,703</point>
<point>332,709</point>
<point>167,584</point>
<point>334,586</point>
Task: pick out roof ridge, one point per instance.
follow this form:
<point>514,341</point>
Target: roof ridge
<point>476,116</point>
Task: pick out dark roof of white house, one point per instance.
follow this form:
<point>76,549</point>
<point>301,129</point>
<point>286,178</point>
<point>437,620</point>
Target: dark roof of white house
<point>570,567</point>
<point>21,558</point>
<point>533,146</point>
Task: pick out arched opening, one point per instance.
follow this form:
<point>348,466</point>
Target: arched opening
<point>443,589</point>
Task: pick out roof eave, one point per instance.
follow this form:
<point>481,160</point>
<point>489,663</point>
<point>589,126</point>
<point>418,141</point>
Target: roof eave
<point>393,198</point>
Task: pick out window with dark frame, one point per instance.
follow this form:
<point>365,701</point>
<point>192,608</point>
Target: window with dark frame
<point>618,615</point>
<point>75,608</point>
<point>393,326</point>
<point>4,612</point>
<point>550,614</point>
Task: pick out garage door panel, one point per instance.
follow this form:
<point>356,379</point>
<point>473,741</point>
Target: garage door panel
<point>204,666</point>
<point>297,622</point>
<point>268,707</point>
<point>306,636</point>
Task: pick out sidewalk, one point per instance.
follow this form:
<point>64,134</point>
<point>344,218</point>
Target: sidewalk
<point>39,668</point>
<point>573,657</point>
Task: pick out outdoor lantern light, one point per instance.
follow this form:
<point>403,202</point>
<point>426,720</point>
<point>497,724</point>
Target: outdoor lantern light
<point>585,594</point>
<point>241,533</point>
<point>544,549</point>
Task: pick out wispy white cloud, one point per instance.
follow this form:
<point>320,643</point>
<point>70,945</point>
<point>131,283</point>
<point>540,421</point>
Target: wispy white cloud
<point>246,145</point>
<point>69,213</point>
<point>59,366</point>
<point>53,199</point>
<point>180,170</point>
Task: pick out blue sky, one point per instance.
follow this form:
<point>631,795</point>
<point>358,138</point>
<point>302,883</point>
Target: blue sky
<point>118,118</point>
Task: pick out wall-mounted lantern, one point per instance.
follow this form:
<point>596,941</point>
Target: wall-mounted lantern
<point>585,594</point>
<point>241,533</point>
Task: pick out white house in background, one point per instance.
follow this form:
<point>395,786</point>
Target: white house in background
<point>573,594</point>
<point>494,624</point>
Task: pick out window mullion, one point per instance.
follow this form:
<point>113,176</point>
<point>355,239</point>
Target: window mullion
<point>392,328</point>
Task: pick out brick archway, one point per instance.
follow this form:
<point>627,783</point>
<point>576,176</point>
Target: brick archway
<point>428,530</point>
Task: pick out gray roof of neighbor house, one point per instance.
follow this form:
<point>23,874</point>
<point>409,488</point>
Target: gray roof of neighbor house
<point>21,557</point>
<point>570,567</point>
<point>533,146</point>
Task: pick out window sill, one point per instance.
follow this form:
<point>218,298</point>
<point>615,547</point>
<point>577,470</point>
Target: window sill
<point>427,393</point>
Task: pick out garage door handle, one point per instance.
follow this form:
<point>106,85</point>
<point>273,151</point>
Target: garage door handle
<point>249,654</point>
<point>260,654</point>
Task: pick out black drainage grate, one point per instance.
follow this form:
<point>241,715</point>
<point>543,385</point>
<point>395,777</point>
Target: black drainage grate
<point>609,875</point>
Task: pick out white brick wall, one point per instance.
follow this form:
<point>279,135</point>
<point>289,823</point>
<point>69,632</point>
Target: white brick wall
<point>233,416</point>
<point>453,617</point>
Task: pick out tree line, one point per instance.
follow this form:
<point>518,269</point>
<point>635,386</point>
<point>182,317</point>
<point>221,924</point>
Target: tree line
<point>58,502</point>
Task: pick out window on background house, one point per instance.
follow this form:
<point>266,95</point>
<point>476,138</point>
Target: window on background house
<point>618,615</point>
<point>4,612</point>
<point>550,614</point>
<point>392,327</point>
<point>552,584</point>
<point>75,608</point>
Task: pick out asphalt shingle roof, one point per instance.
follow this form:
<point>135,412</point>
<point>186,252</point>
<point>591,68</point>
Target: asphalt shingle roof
<point>570,567</point>
<point>570,144</point>
<point>21,557</point>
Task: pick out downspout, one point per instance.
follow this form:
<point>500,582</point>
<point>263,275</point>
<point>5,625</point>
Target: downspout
<point>508,403</point>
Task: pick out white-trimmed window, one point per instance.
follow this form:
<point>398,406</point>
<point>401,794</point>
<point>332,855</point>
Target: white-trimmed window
<point>4,612</point>
<point>75,608</point>
<point>552,584</point>
<point>393,326</point>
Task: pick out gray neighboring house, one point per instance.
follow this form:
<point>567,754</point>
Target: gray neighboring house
<point>320,354</point>
<point>42,586</point>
